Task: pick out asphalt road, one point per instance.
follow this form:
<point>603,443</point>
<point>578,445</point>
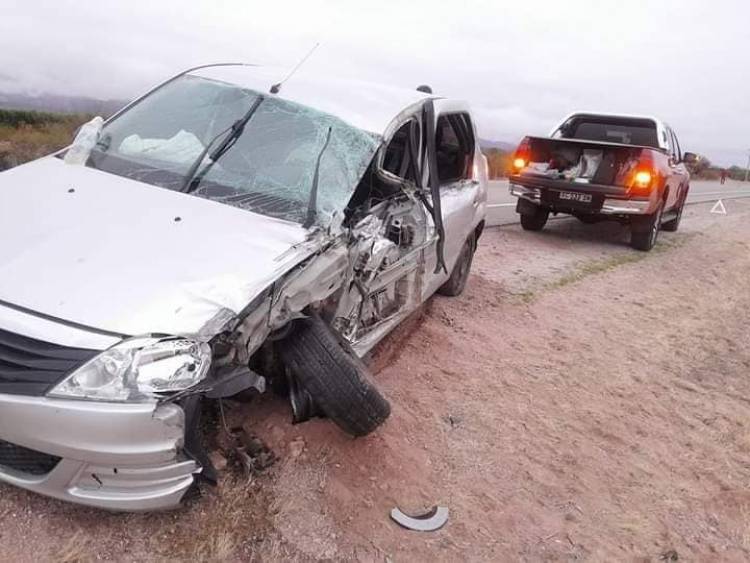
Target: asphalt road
<point>502,206</point>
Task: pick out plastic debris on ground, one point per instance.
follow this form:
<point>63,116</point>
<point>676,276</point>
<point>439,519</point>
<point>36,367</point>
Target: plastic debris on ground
<point>430,521</point>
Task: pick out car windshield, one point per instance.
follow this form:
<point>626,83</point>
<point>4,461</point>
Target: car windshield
<point>268,170</point>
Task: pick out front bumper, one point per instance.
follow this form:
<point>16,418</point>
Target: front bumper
<point>112,455</point>
<point>610,205</point>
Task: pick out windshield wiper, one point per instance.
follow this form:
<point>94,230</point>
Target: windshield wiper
<point>234,132</point>
<point>312,204</point>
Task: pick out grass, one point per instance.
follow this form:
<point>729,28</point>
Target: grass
<point>26,135</point>
<point>602,266</point>
<point>596,267</point>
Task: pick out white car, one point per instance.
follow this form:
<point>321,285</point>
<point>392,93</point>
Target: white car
<point>219,233</point>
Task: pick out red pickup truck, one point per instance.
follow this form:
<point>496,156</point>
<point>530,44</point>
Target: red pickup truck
<point>604,167</point>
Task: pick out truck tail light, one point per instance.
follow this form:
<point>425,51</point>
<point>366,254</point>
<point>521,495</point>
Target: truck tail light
<point>644,175</point>
<point>642,179</point>
<point>522,156</point>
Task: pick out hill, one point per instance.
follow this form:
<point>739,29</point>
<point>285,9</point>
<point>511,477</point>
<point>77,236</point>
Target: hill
<point>59,104</point>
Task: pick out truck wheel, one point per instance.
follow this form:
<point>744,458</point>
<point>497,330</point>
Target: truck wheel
<point>535,221</point>
<point>673,224</point>
<point>457,282</point>
<point>336,379</point>
<point>645,231</point>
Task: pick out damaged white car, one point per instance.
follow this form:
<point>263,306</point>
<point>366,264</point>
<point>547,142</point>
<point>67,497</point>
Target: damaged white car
<point>220,234</point>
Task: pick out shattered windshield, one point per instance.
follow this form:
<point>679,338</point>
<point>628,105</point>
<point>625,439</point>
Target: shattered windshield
<point>268,170</point>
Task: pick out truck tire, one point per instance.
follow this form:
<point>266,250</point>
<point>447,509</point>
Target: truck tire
<point>673,224</point>
<point>457,282</point>
<point>337,380</point>
<point>645,231</point>
<point>535,221</point>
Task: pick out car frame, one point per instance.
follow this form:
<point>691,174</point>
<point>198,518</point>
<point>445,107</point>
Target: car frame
<point>401,236</point>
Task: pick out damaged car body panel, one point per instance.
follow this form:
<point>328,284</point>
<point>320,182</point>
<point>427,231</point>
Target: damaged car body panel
<point>210,218</point>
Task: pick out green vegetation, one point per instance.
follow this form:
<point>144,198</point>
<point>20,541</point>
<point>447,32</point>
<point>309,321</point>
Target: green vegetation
<point>595,267</point>
<point>705,170</point>
<point>18,118</point>
<point>498,162</point>
<point>26,135</point>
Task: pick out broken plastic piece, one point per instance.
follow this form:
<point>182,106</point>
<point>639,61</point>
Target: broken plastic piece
<point>86,138</point>
<point>236,381</point>
<point>430,521</point>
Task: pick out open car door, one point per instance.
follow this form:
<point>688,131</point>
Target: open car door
<point>455,193</point>
<point>400,238</point>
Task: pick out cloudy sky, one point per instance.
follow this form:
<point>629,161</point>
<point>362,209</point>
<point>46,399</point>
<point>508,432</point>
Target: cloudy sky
<point>523,65</point>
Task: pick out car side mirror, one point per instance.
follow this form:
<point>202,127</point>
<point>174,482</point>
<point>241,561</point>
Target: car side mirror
<point>690,158</point>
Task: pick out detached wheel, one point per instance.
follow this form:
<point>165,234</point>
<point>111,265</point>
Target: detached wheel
<point>336,379</point>
<point>535,220</point>
<point>460,274</point>
<point>644,232</point>
<point>673,224</point>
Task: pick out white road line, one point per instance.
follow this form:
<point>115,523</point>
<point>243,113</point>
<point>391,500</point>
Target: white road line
<point>725,194</point>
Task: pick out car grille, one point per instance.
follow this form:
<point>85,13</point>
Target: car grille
<point>31,367</point>
<point>25,460</point>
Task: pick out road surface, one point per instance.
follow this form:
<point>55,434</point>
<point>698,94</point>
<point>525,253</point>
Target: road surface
<point>502,206</point>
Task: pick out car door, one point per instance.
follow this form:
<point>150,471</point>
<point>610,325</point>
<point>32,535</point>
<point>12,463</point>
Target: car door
<point>459,191</point>
<point>676,170</point>
<point>393,238</point>
<point>681,170</point>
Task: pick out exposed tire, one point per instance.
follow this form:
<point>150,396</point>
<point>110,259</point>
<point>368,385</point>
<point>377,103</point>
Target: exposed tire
<point>645,232</point>
<point>457,282</point>
<point>673,224</point>
<point>335,378</point>
<point>535,221</point>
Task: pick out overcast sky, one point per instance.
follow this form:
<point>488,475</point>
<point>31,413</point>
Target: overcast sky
<point>523,65</point>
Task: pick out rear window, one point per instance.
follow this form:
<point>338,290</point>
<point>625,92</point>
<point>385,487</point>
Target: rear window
<point>626,132</point>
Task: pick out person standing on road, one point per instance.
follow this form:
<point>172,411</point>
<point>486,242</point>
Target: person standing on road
<point>723,175</point>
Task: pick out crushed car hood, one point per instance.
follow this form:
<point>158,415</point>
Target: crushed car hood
<point>118,255</point>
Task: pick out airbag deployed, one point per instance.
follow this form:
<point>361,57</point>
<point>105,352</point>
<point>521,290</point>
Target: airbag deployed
<point>182,148</point>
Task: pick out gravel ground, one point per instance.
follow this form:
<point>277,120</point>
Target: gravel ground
<point>580,401</point>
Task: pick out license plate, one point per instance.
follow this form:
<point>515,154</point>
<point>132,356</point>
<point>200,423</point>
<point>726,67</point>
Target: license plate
<point>575,196</point>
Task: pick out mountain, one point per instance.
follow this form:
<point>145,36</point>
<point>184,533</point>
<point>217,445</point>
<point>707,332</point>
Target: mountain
<point>60,104</point>
<point>486,145</point>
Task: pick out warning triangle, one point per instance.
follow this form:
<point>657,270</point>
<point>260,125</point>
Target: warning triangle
<point>719,208</point>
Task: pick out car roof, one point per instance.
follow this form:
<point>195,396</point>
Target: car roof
<point>364,105</point>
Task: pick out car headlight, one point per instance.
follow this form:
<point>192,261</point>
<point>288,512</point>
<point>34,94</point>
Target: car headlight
<point>138,369</point>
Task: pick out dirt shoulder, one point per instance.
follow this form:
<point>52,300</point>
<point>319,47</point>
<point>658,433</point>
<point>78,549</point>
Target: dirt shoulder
<point>580,401</point>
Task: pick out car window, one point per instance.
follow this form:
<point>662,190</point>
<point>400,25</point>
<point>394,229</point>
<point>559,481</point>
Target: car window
<point>626,131</point>
<point>397,158</point>
<point>670,143</point>
<point>676,144</point>
<point>454,145</point>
